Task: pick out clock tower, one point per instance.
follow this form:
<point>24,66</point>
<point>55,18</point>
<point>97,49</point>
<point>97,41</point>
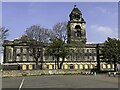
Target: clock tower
<point>76,27</point>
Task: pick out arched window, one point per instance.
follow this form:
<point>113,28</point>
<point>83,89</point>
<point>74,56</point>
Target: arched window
<point>78,30</point>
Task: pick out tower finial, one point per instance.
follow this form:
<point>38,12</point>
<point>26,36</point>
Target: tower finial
<point>74,6</point>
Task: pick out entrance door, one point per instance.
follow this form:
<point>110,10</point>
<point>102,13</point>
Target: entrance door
<point>71,66</point>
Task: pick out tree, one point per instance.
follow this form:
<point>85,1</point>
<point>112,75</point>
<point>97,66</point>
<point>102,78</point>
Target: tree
<point>58,49</point>
<point>111,51</point>
<point>59,30</point>
<point>39,36</point>
<point>3,36</point>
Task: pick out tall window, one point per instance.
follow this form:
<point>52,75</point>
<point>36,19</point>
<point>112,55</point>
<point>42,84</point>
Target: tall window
<point>17,57</point>
<point>78,30</point>
<point>18,50</point>
<point>24,51</point>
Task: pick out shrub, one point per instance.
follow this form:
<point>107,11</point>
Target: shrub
<point>24,74</point>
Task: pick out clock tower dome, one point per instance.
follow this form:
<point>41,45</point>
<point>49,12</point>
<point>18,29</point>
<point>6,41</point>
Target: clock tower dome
<point>76,27</point>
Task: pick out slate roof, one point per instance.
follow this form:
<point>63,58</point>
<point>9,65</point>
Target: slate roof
<point>75,10</point>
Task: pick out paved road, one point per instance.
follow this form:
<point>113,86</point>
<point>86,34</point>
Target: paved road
<point>61,81</point>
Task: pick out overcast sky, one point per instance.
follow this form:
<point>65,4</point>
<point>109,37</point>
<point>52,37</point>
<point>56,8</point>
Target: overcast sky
<point>101,18</point>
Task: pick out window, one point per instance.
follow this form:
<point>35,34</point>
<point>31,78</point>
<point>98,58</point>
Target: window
<point>90,50</point>
<point>88,57</point>
<point>77,27</point>
<point>17,58</point>
<point>85,58</point>
<point>8,54</point>
<point>30,58</point>
<point>93,58</point>
<point>18,51</point>
<point>25,51</point>
<point>93,51</point>
<point>76,56</point>
<point>47,67</point>
<point>24,58</point>
<point>78,33</point>
<point>78,30</point>
<point>50,58</point>
<point>85,50</point>
<point>77,16</point>
<point>100,52</point>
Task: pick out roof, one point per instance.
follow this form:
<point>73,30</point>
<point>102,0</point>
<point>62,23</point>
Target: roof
<point>75,10</point>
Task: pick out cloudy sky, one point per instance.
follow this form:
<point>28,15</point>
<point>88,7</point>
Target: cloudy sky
<point>101,18</point>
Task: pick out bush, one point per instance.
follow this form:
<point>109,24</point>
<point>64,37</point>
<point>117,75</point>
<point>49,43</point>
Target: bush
<point>24,74</point>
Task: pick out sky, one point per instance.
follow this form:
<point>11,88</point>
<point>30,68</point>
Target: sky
<point>101,17</point>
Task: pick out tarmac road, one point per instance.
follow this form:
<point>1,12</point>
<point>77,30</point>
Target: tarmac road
<point>61,81</point>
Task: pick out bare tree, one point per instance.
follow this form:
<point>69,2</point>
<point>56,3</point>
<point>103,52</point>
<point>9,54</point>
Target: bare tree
<point>3,36</point>
<point>40,36</point>
<point>59,30</point>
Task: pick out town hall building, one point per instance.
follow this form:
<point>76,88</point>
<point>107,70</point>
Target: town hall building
<point>84,57</point>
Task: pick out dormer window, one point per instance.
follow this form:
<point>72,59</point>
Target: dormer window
<point>77,17</point>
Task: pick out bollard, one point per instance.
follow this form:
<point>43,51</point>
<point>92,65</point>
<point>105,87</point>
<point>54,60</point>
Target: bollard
<point>95,73</point>
<point>50,72</point>
<point>114,74</point>
<point>92,73</point>
<point>89,73</point>
<point>109,73</point>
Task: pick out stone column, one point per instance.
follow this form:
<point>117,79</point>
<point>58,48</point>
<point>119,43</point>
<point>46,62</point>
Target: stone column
<point>21,54</point>
<point>14,54</point>
<point>27,54</point>
<point>4,60</point>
